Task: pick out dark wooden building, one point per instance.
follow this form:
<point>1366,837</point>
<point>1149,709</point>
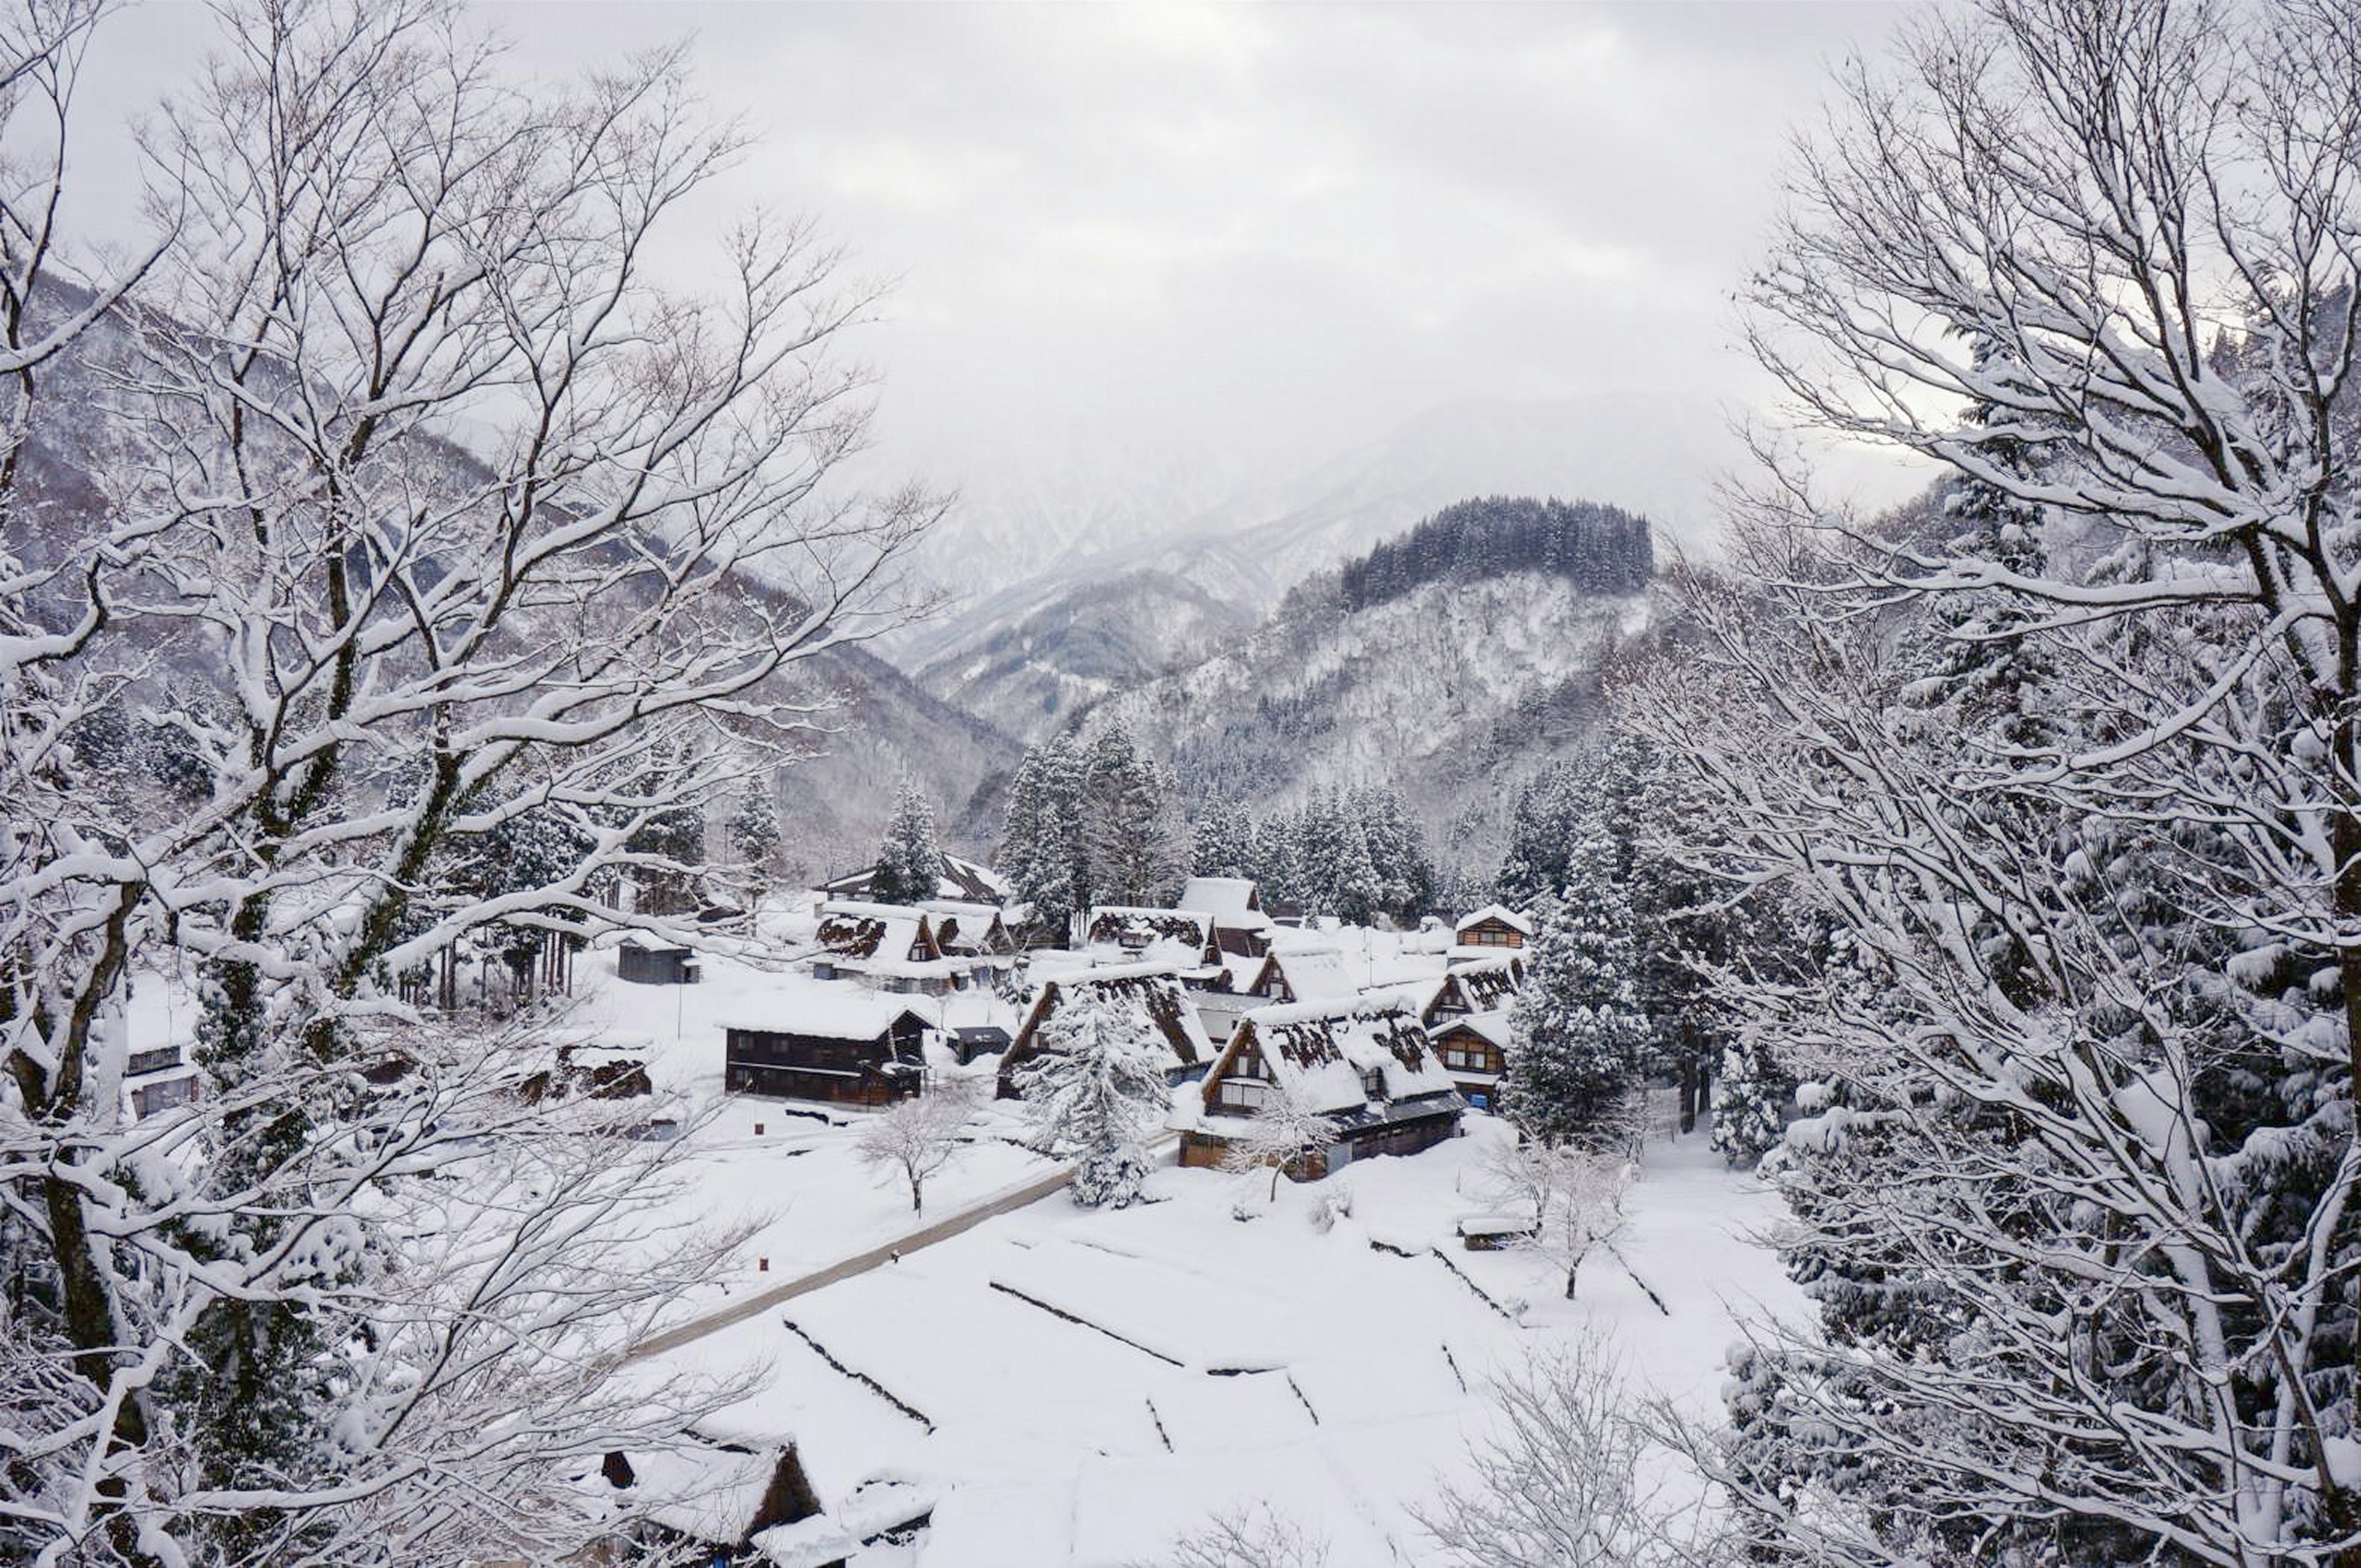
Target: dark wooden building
<point>856,1051</point>
<point>644,965</point>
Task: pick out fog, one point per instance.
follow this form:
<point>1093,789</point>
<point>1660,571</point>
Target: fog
<point>1221,241</point>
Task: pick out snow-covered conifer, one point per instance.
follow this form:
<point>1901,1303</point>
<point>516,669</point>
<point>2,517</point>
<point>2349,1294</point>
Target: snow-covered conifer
<point>1577,1034</point>
<point>909,864</point>
<point>1095,1090</point>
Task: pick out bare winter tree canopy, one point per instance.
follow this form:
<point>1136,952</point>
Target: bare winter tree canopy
<point>2063,771</point>
<point>386,515</point>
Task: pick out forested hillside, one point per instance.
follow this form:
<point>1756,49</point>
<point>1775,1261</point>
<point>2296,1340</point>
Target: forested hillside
<point>1449,664</point>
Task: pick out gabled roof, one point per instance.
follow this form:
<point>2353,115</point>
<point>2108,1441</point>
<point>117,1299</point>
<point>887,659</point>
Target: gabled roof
<point>829,1013</point>
<point>961,879</point>
<point>1184,936</point>
<point>1474,985</point>
<point>1156,987</point>
<point>1315,974</point>
<point>892,933</point>
<point>1490,1027</point>
<point>1500,912</point>
<point>1233,901</point>
<point>1316,1052</point>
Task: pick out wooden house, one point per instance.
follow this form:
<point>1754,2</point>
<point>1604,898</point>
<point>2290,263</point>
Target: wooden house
<point>1135,934</point>
<point>1295,974</point>
<point>1490,931</point>
<point>1154,988</point>
<point>645,963</point>
<point>1473,1049</point>
<point>890,947</point>
<point>1475,985</point>
<point>1366,1064</point>
<point>1240,926</point>
<point>961,879</point>
<point>159,1079</point>
<point>848,1049</point>
<point>969,930</point>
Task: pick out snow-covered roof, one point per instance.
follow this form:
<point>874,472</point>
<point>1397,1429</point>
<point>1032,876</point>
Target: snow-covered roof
<point>1500,912</point>
<point>1232,901</point>
<point>1318,1052</point>
<point>1156,987</point>
<point>1316,974</point>
<point>892,931</point>
<point>831,1012</point>
<point>1491,1026</point>
<point>708,1492</point>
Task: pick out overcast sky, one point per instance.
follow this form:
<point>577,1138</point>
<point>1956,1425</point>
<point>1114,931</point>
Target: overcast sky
<point>1261,231</point>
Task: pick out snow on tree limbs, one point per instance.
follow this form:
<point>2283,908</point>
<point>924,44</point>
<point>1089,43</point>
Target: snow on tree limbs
<point>348,656</point>
<point>2065,773</point>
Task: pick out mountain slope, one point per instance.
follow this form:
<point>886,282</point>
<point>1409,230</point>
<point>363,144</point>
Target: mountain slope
<point>1450,692</point>
<point>1047,634</point>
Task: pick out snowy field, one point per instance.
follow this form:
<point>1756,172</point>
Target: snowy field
<point>1079,1388</point>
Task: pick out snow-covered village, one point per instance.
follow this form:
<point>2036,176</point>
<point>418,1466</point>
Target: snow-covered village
<point>1180,783</point>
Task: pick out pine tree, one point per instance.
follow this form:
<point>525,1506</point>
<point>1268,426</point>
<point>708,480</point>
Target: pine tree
<point>1576,1034</point>
<point>1544,823</point>
<point>1748,1095</point>
<point>1357,889</point>
<point>753,829</point>
<point>1096,1090</point>
<point>1128,825</point>
<point>909,866</point>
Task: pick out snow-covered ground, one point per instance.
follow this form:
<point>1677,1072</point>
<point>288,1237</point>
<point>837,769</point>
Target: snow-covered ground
<point>1215,1363</point>
<point>1079,1388</point>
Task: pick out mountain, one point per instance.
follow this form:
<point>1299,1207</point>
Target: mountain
<point>1451,692</point>
<point>875,724</point>
<point>1029,655</point>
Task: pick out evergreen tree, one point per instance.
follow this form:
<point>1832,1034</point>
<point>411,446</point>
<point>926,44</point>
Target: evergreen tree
<point>1748,1095</point>
<point>1576,1034</point>
<point>1095,1091</point>
<point>1545,822</point>
<point>1129,826</point>
<point>909,866</point>
<point>1356,889</point>
<point>1221,841</point>
<point>753,829</point>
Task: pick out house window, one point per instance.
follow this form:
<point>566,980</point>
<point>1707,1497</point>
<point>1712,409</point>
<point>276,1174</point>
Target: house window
<point>1373,1083</point>
<point>1236,1093</point>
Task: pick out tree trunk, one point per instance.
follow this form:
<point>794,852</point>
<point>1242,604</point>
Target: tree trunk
<point>1688,1092</point>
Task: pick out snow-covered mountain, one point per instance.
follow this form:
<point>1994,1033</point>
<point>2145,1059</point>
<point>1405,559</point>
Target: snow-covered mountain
<point>1027,655</point>
<point>1452,694</point>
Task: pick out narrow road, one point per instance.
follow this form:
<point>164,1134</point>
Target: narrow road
<point>862,1263</point>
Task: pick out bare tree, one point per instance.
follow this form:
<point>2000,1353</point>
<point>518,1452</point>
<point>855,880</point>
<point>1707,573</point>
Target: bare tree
<point>2079,1216</point>
<point>1573,1193</point>
<point>1565,1479</point>
<point>918,1137</point>
<point>1256,1537</point>
<point>1281,1132</point>
<point>391,505</point>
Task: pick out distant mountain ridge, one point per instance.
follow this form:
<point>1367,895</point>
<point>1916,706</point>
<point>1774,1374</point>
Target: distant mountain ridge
<point>1027,655</point>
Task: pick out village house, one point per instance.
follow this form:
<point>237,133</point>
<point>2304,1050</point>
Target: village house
<point>1240,926</point>
<point>848,1048</point>
<point>159,1079</point>
<point>888,947</point>
<point>1366,1064</point>
<point>1295,974</point>
<point>1488,932</point>
<point>1467,1017</point>
<point>964,880</point>
<point>1133,934</point>
<point>647,963</point>
<point>725,1502</point>
<point>1155,989</point>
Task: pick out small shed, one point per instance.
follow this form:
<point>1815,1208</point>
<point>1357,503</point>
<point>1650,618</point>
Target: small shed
<point>647,964</point>
<point>972,1040</point>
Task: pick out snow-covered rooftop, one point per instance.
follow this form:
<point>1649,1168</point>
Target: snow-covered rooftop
<point>1500,912</point>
